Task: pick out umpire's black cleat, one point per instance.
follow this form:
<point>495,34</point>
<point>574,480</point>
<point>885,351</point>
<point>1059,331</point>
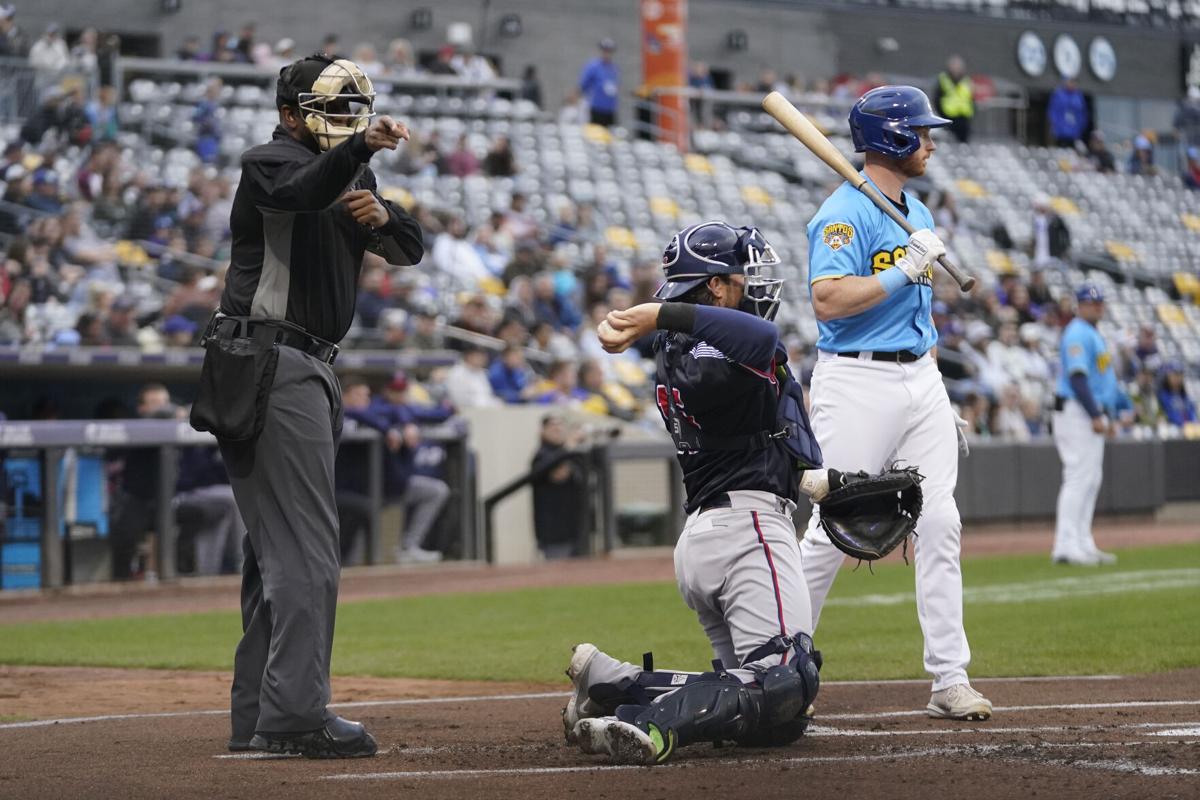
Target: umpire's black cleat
<point>340,738</point>
<point>239,745</point>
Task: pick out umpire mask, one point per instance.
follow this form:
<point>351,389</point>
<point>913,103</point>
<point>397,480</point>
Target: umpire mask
<point>334,96</point>
<point>761,296</point>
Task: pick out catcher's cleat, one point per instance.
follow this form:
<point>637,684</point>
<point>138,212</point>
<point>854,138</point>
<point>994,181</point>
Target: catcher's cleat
<point>959,701</point>
<point>624,743</point>
<point>579,706</point>
<point>340,738</point>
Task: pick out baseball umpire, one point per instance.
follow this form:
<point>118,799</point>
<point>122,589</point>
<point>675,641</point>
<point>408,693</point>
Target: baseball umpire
<point>877,396</point>
<point>743,441</point>
<point>304,213</point>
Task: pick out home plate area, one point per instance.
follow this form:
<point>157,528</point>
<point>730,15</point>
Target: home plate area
<point>1050,737</point>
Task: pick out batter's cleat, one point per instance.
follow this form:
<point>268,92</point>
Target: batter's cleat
<point>1076,559</point>
<point>1103,559</point>
<point>340,738</point>
<point>959,701</point>
<point>579,706</point>
<point>623,743</point>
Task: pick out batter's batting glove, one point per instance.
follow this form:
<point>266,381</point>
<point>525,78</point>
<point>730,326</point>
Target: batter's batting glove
<point>922,250</point>
<point>960,427</point>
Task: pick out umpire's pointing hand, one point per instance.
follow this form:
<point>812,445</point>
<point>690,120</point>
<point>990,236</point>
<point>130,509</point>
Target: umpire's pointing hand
<point>385,132</point>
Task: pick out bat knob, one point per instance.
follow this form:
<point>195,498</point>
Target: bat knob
<point>968,285</point>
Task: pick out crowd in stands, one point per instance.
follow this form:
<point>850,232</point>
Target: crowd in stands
<point>102,252</point>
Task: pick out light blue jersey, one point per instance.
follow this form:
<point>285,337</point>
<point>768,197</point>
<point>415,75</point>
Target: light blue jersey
<point>850,236</point>
<point>1082,349</point>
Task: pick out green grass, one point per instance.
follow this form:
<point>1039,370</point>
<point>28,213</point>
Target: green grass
<point>13,718</point>
<point>526,635</point>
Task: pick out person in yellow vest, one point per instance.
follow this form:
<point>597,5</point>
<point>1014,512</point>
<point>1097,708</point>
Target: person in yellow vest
<point>954,98</point>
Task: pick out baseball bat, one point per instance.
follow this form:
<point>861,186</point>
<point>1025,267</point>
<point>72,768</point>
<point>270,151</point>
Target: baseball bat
<point>799,126</point>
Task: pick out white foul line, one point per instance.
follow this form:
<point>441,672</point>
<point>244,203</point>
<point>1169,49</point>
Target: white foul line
<point>43,723</point>
<point>1055,707</point>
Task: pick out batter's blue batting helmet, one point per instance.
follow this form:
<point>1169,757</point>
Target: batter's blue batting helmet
<point>698,252</point>
<point>1089,293</point>
<point>883,120</point>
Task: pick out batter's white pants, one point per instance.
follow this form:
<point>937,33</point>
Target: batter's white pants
<point>1081,450</point>
<point>867,415</point>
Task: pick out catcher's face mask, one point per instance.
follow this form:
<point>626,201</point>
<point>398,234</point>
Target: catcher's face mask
<point>340,104</point>
<point>761,296</point>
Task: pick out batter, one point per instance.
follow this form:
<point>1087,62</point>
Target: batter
<point>877,396</point>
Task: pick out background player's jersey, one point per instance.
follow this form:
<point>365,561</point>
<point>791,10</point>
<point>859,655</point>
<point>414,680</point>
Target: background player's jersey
<point>1082,349</point>
<point>707,394</point>
<point>849,236</point>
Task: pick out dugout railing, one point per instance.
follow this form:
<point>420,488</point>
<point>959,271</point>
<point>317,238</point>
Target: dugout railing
<point>44,539</point>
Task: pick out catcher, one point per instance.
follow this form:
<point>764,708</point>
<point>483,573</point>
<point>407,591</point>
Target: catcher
<point>744,443</point>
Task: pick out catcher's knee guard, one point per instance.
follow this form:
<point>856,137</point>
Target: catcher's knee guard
<point>716,707</point>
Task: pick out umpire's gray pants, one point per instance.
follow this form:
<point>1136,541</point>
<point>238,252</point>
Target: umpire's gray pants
<point>283,481</point>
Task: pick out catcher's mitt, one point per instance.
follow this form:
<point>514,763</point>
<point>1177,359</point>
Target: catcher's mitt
<point>868,515</point>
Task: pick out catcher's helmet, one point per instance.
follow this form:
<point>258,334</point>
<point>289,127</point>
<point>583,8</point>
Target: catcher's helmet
<point>334,96</point>
<point>883,120</point>
<point>699,252</point>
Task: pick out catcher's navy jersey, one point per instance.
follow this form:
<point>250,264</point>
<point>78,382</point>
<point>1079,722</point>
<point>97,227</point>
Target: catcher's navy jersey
<point>720,388</point>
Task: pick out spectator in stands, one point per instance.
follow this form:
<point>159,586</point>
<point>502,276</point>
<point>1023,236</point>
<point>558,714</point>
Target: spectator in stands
<point>49,54</point>
<point>467,384</point>
<point>510,376</point>
<point>457,259</point>
<point>1191,168</point>
<point>400,61</point>
<point>282,54</point>
<point>425,334</point>
<point>560,494</point>
<point>46,194</point>
<point>474,67</point>
<point>330,45</point>
<point>106,56</point>
<point>531,85</point>
<point>1099,154</point>
<point>1051,238</point>
<point>12,42</point>
<point>1146,348</point>
<point>242,45</point>
<point>1143,396</point>
<point>561,385</point>
<point>367,58</point>
<point>444,63</point>
<point>11,163</point>
<point>550,305</point>
<point>1141,160</point>
<point>462,162</point>
<point>1039,292</point>
<point>512,332</point>
<point>206,118</point>
<point>601,397</point>
<point>121,328</point>
<point>553,342</point>
<point>475,316</point>
<point>518,304</point>
<point>190,49</point>
<point>600,84</point>
<point>527,260</point>
<point>373,291</point>
<point>1068,114</point>
<point>954,97</point>
<point>499,161</point>
<point>1008,418</point>
<point>1176,406</point>
<point>179,331</point>
<point>1187,117</point>
<point>102,115</point>
<point>83,56</point>
<point>14,315</point>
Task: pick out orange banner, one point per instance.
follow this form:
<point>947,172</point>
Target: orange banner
<point>664,65</point>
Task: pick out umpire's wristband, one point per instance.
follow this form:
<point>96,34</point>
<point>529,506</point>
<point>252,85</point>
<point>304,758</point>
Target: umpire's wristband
<point>892,278</point>
<point>680,317</point>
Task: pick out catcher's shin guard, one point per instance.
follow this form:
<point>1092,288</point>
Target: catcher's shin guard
<point>788,690</point>
<point>716,707</point>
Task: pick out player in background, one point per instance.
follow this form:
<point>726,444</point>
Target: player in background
<point>737,418</point>
<point>877,396</point>
<point>1087,395</point>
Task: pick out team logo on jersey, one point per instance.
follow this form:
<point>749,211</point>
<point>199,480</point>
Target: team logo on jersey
<point>1103,360</point>
<point>838,235</point>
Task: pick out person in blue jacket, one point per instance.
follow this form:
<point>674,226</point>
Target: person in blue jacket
<point>600,83</point>
<point>1068,114</point>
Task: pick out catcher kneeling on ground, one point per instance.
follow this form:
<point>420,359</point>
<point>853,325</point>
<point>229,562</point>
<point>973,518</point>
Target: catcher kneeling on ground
<point>742,436</point>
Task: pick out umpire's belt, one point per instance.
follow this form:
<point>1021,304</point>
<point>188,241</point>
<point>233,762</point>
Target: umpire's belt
<point>272,332</point>
<point>748,500</point>
<point>899,357</point>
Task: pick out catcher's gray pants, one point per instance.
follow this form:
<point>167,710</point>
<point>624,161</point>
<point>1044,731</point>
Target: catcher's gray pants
<point>283,481</point>
<point>739,569</point>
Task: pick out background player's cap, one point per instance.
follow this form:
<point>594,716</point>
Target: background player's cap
<point>1089,293</point>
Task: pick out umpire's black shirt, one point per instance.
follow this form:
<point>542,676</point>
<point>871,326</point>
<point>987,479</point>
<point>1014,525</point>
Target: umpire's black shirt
<point>297,252</point>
